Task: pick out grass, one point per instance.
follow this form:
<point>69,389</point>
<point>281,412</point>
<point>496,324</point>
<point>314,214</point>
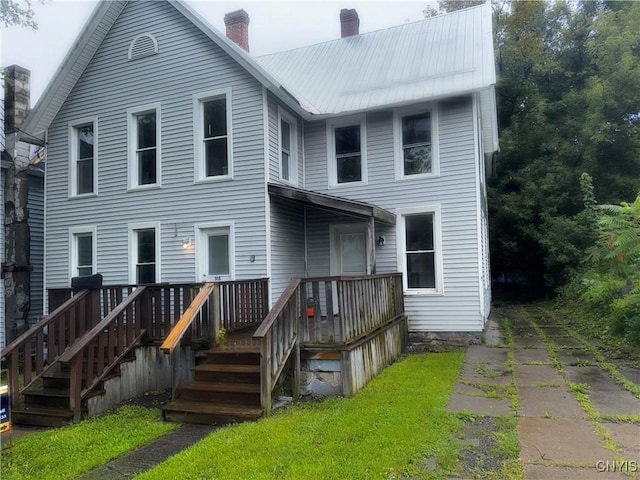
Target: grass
<point>395,427</point>
<point>67,452</point>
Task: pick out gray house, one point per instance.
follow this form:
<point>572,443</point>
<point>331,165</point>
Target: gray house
<point>175,156</point>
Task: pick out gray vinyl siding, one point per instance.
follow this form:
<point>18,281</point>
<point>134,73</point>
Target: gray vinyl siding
<point>2,259</point>
<point>274,153</point>
<point>188,63</point>
<point>287,244</point>
<point>455,191</point>
<point>36,228</point>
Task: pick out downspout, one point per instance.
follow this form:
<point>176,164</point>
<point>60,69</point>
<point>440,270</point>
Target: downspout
<point>306,270</point>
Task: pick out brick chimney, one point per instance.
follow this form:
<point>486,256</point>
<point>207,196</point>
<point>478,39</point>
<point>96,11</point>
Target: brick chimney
<point>17,98</point>
<point>238,28</point>
<point>349,22</point>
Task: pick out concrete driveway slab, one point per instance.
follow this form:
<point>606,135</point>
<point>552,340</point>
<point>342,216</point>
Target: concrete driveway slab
<point>540,402</point>
<point>593,376</point>
<point>484,354</point>
<point>528,355</point>
<point>488,407</point>
<point>551,472</point>
<point>578,356</point>
<point>614,402</point>
<point>627,436</point>
<point>566,441</point>
<point>631,373</point>
<point>532,375</point>
<point>470,374</point>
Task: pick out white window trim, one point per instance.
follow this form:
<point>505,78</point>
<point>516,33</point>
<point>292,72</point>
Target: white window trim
<point>133,247</point>
<point>398,113</point>
<point>331,149</point>
<point>73,248</point>
<point>293,153</point>
<point>401,249</point>
<point>198,148</point>
<point>73,157</point>
<point>132,142</point>
<point>200,234</point>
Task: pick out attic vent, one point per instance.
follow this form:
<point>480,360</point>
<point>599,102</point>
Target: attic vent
<point>143,46</point>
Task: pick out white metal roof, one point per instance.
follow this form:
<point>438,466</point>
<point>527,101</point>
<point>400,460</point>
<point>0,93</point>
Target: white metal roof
<point>437,57</point>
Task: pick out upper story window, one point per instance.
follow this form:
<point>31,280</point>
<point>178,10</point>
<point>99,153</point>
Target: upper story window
<point>144,146</point>
<point>142,46</point>
<point>416,145</point>
<point>83,154</point>
<point>419,249</point>
<point>288,141</point>
<point>346,140</point>
<point>213,138</point>
<point>83,251</point>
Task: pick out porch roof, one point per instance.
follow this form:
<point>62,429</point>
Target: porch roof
<point>330,202</point>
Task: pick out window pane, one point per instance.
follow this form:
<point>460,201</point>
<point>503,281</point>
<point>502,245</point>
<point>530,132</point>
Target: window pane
<point>146,130</point>
<point>416,129</point>
<point>347,139</point>
<point>215,117</point>
<point>285,134</point>
<point>146,273</point>
<point>147,167</point>
<point>285,166</point>
<point>146,246</point>
<point>218,255</point>
<point>85,250</point>
<point>419,232</point>
<point>84,271</point>
<point>216,157</point>
<point>421,272</point>
<point>417,160</point>
<point>85,141</point>
<point>85,176</point>
<point>349,169</point>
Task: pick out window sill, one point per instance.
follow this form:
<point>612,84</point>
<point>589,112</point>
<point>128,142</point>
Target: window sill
<point>142,188</point>
<point>220,178</point>
<point>419,176</point>
<point>82,196</point>
<point>333,186</point>
<point>423,293</point>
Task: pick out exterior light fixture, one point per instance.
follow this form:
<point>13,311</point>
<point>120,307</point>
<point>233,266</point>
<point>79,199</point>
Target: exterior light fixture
<point>186,243</point>
<point>380,241</point>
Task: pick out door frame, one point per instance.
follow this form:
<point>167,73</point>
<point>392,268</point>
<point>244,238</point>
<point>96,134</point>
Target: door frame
<point>202,245</point>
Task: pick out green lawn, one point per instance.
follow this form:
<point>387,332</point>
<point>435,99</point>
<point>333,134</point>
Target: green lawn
<point>389,430</point>
<point>67,452</point>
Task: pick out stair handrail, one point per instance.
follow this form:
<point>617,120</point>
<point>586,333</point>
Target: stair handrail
<point>278,334</point>
<point>186,319</point>
<point>12,351</point>
<point>130,335</point>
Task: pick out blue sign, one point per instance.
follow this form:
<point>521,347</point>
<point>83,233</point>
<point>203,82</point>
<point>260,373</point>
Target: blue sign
<point>5,412</point>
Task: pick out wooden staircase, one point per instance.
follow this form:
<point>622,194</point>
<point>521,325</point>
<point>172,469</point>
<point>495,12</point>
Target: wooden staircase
<point>46,402</point>
<point>226,387</point>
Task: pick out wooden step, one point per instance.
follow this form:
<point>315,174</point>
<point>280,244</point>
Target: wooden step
<point>47,397</point>
<point>233,357</point>
<point>186,411</point>
<point>220,373</point>
<point>221,393</point>
<point>41,416</point>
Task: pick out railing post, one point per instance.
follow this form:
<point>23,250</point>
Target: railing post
<point>75,387</point>
<point>175,367</point>
<point>296,352</point>
<point>214,313</point>
<point>265,374</point>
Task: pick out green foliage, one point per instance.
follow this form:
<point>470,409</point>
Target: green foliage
<point>18,13</point>
<point>66,453</point>
<point>388,430</point>
<point>568,102</point>
<point>610,287</point>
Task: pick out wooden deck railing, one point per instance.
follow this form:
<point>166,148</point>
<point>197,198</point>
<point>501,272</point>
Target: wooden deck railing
<point>343,309</point>
<point>278,334</point>
<point>34,351</point>
<point>93,356</point>
<point>243,303</point>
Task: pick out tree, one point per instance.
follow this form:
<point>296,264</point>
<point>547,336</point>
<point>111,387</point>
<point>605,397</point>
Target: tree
<point>19,13</point>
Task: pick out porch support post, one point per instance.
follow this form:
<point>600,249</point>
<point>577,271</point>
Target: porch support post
<point>371,246</point>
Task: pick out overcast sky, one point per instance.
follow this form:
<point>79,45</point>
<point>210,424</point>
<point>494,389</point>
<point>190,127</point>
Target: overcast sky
<point>274,26</point>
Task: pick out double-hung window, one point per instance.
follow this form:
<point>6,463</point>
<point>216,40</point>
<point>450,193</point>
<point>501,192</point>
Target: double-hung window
<point>213,139</point>
<point>82,251</point>
<point>144,253</point>
<point>347,159</point>
<point>419,251</point>
<point>288,140</point>
<point>415,133</point>
<point>83,151</point>
<point>144,146</point>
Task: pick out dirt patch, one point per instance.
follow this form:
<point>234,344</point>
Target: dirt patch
<point>479,455</point>
<point>154,399</point>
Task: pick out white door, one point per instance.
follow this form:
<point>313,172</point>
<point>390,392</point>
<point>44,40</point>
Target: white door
<point>348,253</point>
<point>215,259</point>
